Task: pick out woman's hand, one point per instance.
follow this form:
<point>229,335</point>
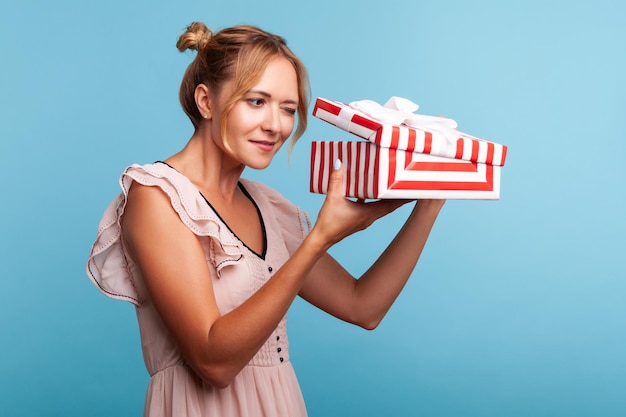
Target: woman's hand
<point>340,217</point>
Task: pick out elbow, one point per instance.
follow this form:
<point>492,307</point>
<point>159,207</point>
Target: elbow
<point>216,375</point>
<point>365,317</point>
<point>368,322</point>
<point>369,325</point>
<point>219,382</point>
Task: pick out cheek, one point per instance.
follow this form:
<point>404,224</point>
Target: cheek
<point>287,127</point>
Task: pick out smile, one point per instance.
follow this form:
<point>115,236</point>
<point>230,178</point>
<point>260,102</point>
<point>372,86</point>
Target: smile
<point>264,145</point>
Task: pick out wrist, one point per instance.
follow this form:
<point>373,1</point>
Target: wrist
<point>315,242</point>
<point>428,207</point>
<point>435,204</point>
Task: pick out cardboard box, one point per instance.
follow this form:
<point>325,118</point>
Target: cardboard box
<point>400,161</point>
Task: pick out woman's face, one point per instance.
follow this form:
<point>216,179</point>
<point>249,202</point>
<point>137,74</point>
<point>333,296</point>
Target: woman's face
<point>262,120</point>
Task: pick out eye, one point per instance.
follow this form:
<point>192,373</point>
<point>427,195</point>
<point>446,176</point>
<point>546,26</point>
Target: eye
<point>290,110</point>
<point>256,102</point>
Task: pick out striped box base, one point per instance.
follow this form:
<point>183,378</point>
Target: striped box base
<point>375,172</point>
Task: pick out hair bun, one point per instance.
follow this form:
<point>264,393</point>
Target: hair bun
<point>195,37</point>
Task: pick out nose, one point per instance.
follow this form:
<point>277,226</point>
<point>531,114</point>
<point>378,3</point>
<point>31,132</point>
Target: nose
<point>271,121</point>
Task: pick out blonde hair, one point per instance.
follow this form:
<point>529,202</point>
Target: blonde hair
<point>239,54</point>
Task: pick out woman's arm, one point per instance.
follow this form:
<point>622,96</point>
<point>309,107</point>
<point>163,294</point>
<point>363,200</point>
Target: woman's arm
<point>365,301</point>
<point>178,280</point>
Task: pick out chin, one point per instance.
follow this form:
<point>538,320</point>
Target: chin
<point>258,165</point>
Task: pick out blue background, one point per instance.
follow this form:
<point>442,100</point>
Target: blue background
<point>517,307</point>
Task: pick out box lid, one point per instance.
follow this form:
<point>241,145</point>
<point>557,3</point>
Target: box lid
<point>389,130</point>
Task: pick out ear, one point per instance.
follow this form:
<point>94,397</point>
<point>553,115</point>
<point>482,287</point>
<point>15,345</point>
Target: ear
<point>204,101</point>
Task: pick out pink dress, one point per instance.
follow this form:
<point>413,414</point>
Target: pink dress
<point>267,386</point>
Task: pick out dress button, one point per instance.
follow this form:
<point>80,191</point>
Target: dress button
<point>270,269</point>
<point>277,337</point>
<point>282,359</point>
<point>279,350</point>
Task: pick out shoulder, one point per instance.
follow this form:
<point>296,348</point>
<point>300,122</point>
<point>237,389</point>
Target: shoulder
<point>165,190</point>
<point>156,174</point>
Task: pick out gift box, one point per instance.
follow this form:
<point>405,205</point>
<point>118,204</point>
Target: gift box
<point>406,155</point>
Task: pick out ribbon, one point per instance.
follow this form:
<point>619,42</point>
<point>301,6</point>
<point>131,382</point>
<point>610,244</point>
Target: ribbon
<point>398,111</point>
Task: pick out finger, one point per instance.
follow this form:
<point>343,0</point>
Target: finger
<point>335,183</point>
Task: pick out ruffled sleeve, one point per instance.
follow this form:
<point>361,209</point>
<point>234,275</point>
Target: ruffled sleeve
<point>108,266</point>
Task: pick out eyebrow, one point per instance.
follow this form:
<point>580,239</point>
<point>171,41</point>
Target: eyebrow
<point>268,95</point>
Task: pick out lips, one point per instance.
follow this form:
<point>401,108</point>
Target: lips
<point>264,145</point>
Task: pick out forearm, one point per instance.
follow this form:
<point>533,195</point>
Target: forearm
<point>377,289</point>
<point>234,338</point>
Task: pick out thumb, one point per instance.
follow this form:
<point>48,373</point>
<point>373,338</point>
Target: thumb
<point>335,182</point>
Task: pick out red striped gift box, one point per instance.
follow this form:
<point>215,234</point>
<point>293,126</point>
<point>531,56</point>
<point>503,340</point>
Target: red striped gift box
<point>407,137</point>
<point>373,171</point>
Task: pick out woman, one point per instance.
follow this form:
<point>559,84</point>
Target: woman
<point>213,262</point>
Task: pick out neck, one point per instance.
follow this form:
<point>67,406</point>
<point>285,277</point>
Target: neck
<point>213,172</point>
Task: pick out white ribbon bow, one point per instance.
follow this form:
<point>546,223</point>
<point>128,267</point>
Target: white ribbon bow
<point>398,110</point>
